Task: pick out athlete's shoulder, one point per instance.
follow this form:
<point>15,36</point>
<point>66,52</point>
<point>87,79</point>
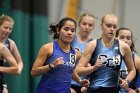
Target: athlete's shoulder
<point>137,61</point>
<point>12,43</point>
<point>47,45</point>
<point>91,44</point>
<point>46,49</point>
<point>10,40</point>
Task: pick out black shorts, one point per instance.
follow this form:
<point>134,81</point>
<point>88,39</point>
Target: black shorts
<point>104,90</point>
<point>1,87</point>
<point>2,83</point>
<point>76,88</point>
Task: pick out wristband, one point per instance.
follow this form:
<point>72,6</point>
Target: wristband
<point>51,66</point>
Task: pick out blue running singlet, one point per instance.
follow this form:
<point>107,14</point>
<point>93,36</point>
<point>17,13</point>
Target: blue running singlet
<point>58,80</point>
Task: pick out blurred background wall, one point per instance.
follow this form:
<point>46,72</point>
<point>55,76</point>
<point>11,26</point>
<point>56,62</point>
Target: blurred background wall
<point>126,10</point>
<point>32,18</point>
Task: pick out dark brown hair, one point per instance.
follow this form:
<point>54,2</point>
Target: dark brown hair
<point>53,27</point>
<point>132,45</point>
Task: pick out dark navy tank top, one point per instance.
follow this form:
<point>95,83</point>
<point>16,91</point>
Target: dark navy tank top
<point>107,75</point>
<point>124,73</point>
<point>2,81</point>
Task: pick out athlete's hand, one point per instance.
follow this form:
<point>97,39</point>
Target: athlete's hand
<point>58,61</point>
<point>131,91</point>
<point>124,84</point>
<point>84,90</point>
<point>98,63</point>
<point>84,82</point>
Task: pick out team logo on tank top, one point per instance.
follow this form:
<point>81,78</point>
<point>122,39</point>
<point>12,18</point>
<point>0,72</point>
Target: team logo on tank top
<point>123,71</point>
<point>110,62</point>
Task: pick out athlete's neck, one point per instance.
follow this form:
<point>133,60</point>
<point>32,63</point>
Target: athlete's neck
<point>64,46</point>
<point>2,40</point>
<point>107,42</point>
